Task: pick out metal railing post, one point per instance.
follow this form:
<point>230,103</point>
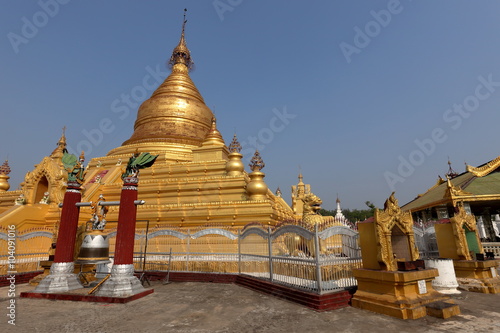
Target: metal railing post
<point>188,249</point>
<point>239,251</point>
<point>317,262</point>
<point>270,248</point>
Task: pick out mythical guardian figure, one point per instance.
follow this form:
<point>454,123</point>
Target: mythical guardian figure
<point>297,244</point>
<point>137,162</point>
<point>312,204</point>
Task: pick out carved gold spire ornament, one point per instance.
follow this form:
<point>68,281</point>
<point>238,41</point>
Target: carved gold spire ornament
<point>234,146</point>
<point>5,168</point>
<point>4,176</point>
<point>235,167</point>
<point>256,163</point>
<point>257,188</point>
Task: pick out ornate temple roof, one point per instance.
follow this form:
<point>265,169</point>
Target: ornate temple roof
<point>476,184</point>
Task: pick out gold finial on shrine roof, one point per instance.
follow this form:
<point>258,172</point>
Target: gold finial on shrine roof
<point>235,167</point>
<point>5,168</point>
<point>256,163</point>
<point>61,145</point>
<point>278,192</point>
<point>4,178</point>
<point>181,54</point>
<point>234,146</point>
<point>214,135</point>
<point>257,188</point>
<point>451,173</point>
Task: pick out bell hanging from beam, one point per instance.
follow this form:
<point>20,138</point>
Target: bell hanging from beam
<point>95,244</point>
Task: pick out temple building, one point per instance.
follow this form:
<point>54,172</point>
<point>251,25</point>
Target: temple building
<point>196,179</point>
<point>478,188</point>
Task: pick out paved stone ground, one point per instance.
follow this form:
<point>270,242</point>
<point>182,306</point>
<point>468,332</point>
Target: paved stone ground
<point>207,307</point>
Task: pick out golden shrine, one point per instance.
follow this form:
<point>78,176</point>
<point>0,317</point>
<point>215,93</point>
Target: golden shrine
<point>196,179</point>
<point>392,281</point>
<point>458,239</point>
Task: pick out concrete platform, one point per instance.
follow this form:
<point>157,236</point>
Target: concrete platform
<point>218,307</point>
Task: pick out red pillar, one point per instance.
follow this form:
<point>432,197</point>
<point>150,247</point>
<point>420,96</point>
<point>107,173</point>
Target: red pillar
<point>124,249</point>
<point>65,246</point>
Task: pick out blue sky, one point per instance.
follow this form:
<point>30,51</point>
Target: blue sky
<point>364,97</point>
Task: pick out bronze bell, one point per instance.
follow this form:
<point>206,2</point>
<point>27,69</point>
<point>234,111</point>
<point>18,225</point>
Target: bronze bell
<point>94,249</point>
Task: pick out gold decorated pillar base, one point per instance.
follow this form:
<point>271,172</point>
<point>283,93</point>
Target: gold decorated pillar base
<point>401,294</point>
<point>478,276</point>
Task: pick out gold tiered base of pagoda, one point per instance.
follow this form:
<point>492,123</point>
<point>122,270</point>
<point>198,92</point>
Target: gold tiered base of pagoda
<point>404,295</point>
<point>478,276</point>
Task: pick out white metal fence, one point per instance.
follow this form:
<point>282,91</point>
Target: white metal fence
<point>316,261</point>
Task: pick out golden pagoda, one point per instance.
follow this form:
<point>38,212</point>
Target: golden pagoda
<point>196,179</point>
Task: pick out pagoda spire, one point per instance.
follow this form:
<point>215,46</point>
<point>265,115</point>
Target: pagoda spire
<point>180,54</point>
<point>61,145</point>
<point>338,213</point>
<point>214,136</point>
<point>451,173</point>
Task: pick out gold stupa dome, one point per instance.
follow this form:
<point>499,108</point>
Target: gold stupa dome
<point>176,112</point>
